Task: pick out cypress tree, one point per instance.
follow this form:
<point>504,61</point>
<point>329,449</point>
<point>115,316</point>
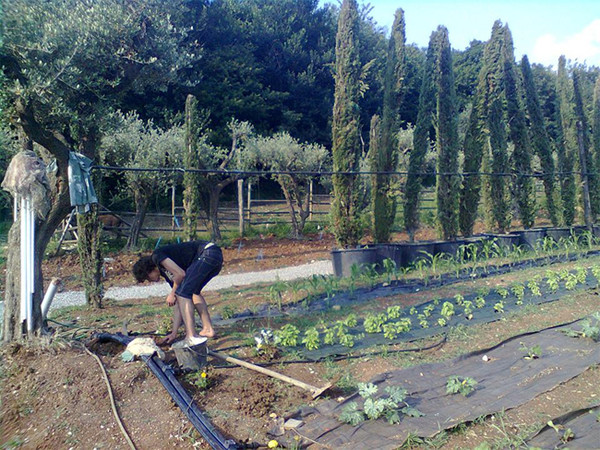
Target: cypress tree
<point>345,128</point>
<point>386,157</point>
<point>473,154</point>
<point>565,144</point>
<point>590,165</point>
<point>523,187</point>
<point>495,124</point>
<point>191,180</point>
<point>420,141</point>
<point>446,121</point>
<point>596,131</point>
<point>540,139</point>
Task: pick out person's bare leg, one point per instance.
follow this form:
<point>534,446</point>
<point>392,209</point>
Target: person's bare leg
<point>187,313</point>
<point>172,336</point>
<point>202,308</point>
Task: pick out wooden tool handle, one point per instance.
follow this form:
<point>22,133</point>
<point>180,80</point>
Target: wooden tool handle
<point>268,372</point>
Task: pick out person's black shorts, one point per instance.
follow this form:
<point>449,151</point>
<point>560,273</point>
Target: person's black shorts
<point>206,266</point>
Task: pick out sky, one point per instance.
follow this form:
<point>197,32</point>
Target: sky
<point>541,29</point>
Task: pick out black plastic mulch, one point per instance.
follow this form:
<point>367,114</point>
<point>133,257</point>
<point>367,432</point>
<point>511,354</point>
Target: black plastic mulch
<point>583,423</point>
<point>485,314</point>
<point>396,287</point>
<point>506,380</point>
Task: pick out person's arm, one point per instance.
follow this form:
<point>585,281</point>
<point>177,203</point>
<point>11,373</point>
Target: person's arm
<point>178,276</point>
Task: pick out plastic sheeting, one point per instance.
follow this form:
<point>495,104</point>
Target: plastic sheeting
<point>485,314</point>
<point>584,424</point>
<point>81,189</point>
<point>505,380</point>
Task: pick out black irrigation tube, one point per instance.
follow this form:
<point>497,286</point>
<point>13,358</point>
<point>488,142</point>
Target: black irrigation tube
<point>343,357</point>
<point>166,376</point>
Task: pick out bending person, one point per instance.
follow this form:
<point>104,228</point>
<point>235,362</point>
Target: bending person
<point>187,267</point>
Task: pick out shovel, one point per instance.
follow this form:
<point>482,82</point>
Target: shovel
<point>316,392</point>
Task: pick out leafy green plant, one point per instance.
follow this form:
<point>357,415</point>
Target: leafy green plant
<point>534,287</point>
<point>460,385</point>
<point>571,281</point>
<point>199,379</point>
<point>287,335</point>
<point>390,407</point>
<point>311,339</point>
<point>393,329</point>
<point>590,328</point>
<point>373,323</point>
<point>447,310</point>
<point>581,275</point>
<point>534,352</point>
<point>412,311</point>
<point>552,280</point>
<point>227,312</point>
<point>428,310</point>
<point>499,307</point>
<point>518,291</point>
<point>436,301</point>
<point>442,322</point>
<point>422,318</point>
<point>596,272</point>
<point>479,301</point>
<point>468,309</point>
<point>394,312</point>
<point>502,292</point>
<point>459,299</point>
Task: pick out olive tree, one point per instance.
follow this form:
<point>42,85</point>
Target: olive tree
<point>135,144</point>
<point>291,163</point>
<point>68,62</point>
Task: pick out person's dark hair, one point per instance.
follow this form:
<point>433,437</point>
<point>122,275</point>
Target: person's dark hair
<point>142,268</point>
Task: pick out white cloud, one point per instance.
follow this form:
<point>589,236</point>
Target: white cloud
<point>581,47</point>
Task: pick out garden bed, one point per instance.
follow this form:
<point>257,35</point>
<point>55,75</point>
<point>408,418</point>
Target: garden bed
<point>246,406</point>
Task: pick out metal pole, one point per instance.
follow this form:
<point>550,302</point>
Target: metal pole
<point>587,210</point>
<point>241,205</point>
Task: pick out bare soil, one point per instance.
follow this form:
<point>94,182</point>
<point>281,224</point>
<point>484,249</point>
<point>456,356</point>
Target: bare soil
<point>53,394</point>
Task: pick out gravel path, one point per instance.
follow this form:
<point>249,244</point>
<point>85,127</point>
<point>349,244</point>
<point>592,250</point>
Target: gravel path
<point>75,298</point>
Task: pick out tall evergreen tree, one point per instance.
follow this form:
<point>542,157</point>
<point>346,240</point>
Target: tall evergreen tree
<point>540,139</point>
<point>565,142</point>
<point>495,125</point>
<point>446,126</point>
<point>596,130</point>
<point>346,146</point>
<point>473,154</point>
<point>385,159</point>
<point>421,141</point>
<point>580,116</point>
<point>191,181</point>
<point>523,187</point>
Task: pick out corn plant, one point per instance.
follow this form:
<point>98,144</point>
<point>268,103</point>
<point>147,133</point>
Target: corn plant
<point>390,269</point>
<point>519,291</point>
<point>276,293</point>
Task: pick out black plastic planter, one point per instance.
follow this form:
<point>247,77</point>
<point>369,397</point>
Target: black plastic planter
<point>343,260</point>
<point>558,234</point>
<point>532,238</point>
<point>413,251</point>
<point>504,241</point>
<point>449,248</point>
<point>391,251</point>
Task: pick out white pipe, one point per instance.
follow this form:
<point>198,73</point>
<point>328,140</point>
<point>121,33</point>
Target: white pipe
<point>49,296</point>
<point>23,244</point>
<point>31,263</point>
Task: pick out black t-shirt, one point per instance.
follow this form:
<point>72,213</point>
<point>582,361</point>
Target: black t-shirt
<point>182,254</point>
